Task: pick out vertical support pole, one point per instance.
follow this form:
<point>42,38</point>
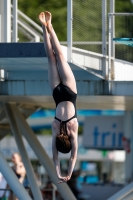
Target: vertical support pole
<point>104,46</point>
<point>112,10</point>
<point>109,55</point>
<point>12,180</point>
<point>41,154</point>
<point>30,173</point>
<point>2,21</point>
<point>128,130</point>
<point>7,20</point>
<point>0,28</point>
<point>15,20</point>
<point>111,45</point>
<point>69,30</point>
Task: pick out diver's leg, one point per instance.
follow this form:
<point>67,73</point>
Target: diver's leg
<point>65,71</point>
<point>53,74</point>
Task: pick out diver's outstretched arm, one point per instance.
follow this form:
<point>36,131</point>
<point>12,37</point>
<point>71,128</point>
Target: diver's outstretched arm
<point>74,143</point>
<point>55,153</point>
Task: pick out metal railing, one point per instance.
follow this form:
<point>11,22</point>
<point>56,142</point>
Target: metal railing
<point>26,23</point>
<point>34,32</point>
<point>111,43</point>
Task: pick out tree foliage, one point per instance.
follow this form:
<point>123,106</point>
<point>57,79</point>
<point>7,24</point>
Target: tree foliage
<point>87,9</point>
<point>32,8</point>
<point>123,6</point>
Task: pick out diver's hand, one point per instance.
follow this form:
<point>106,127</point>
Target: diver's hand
<point>63,179</point>
<point>68,178</point>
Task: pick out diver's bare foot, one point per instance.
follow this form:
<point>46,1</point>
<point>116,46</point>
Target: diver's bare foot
<point>42,18</point>
<point>48,18</point>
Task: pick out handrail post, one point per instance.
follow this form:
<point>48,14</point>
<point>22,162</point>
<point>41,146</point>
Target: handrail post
<point>7,20</point>
<point>0,28</point>
<point>109,45</point>
<point>104,46</point>
<point>69,30</point>
<point>37,38</point>
<point>112,10</point>
<point>15,20</point>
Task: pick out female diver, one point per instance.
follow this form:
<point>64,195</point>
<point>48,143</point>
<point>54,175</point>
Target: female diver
<point>63,86</point>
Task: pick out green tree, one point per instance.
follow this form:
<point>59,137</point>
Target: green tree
<point>32,8</point>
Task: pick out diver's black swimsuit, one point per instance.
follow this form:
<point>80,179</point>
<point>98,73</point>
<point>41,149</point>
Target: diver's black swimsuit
<point>63,93</point>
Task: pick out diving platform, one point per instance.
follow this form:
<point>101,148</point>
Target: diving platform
<point>25,78</point>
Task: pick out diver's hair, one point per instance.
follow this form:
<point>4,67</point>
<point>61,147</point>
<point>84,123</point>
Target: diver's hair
<point>63,143</point>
